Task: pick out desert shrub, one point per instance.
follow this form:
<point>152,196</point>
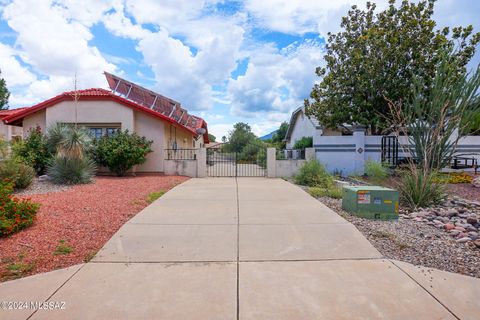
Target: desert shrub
<point>65,170</point>
<point>20,174</point>
<point>15,214</point>
<point>313,174</point>
<point>3,148</point>
<point>120,152</point>
<point>418,189</point>
<point>376,171</point>
<point>71,164</point>
<point>304,142</point>
<point>33,151</point>
<point>454,177</point>
<point>332,192</point>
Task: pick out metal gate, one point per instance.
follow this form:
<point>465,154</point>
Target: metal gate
<point>235,164</point>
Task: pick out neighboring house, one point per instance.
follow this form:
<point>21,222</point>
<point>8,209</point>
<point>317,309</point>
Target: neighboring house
<point>103,112</point>
<point>8,132</point>
<point>300,126</point>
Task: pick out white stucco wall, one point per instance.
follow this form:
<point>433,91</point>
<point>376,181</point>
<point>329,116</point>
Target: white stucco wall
<point>303,127</point>
<point>181,168</point>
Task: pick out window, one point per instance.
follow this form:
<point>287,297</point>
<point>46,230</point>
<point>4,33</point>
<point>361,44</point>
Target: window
<point>97,133</point>
<point>111,131</point>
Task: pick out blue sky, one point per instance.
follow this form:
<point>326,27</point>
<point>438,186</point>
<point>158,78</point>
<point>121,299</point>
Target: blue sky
<point>226,61</point>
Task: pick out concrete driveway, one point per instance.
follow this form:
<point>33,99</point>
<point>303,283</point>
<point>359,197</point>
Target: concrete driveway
<point>246,248</point>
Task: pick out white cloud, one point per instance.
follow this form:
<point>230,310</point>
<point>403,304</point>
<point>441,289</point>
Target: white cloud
<point>320,16</point>
<point>276,81</point>
<point>56,46</point>
<point>12,71</point>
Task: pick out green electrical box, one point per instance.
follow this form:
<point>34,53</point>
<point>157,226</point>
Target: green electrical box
<point>371,202</point>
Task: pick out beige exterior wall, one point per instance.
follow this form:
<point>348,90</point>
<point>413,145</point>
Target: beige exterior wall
<point>183,138</point>
<point>152,129</point>
<point>35,120</point>
<point>91,112</point>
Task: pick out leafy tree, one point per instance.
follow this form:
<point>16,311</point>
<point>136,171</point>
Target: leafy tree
<point>224,139</point>
<point>4,93</point>
<point>379,55</point>
<point>122,151</point>
<point>281,132</point>
<point>239,137</point>
<point>304,142</point>
<point>211,137</point>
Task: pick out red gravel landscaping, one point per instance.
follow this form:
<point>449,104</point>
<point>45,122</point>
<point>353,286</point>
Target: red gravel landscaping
<point>82,218</point>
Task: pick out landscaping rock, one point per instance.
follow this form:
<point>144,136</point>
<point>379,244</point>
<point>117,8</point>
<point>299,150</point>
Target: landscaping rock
<point>449,226</point>
<point>472,220</point>
<point>476,182</point>
<point>477,243</point>
<point>464,239</point>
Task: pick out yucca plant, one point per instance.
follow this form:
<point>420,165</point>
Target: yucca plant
<point>71,165</point>
<point>433,126</point>
<point>65,170</point>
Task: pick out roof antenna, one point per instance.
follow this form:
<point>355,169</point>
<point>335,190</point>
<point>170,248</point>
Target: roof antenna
<point>76,97</point>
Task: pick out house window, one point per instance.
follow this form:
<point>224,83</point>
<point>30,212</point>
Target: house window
<point>111,131</point>
<point>97,133</point>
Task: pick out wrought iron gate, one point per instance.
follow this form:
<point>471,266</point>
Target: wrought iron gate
<point>234,164</point>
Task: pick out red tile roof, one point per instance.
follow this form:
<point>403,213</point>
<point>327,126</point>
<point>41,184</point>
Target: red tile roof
<point>9,112</point>
<point>15,116</point>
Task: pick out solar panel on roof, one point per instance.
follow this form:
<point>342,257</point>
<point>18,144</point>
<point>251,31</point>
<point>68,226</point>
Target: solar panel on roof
<point>151,100</point>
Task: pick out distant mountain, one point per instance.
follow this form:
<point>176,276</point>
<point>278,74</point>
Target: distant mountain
<point>268,136</point>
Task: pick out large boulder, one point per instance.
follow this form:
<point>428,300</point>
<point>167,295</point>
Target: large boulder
<point>476,182</point>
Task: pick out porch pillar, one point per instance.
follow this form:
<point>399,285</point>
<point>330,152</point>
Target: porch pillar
<point>201,163</point>
<point>359,157</point>
<point>271,162</point>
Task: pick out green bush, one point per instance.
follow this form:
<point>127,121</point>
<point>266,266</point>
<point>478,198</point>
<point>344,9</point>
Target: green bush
<point>376,171</point>
<point>3,148</point>
<point>15,214</point>
<point>332,192</point>
<point>122,151</point>
<point>418,189</point>
<point>313,174</point>
<point>304,142</point>
<point>65,170</point>
<point>33,151</point>
<point>18,173</point>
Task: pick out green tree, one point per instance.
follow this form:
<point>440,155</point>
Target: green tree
<point>281,132</point>
<point>4,93</point>
<point>239,137</point>
<point>224,139</point>
<point>379,55</point>
<point>304,142</point>
<point>211,137</point>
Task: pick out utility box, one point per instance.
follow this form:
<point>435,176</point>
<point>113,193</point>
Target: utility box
<point>371,202</point>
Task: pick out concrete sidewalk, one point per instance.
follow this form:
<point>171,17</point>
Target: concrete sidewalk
<point>246,248</point>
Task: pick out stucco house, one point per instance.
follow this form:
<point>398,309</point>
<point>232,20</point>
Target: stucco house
<point>103,112</point>
<point>8,132</point>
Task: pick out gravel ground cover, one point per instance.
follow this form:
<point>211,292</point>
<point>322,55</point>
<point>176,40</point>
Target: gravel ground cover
<point>39,187</point>
<point>415,242</point>
<point>73,224</point>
